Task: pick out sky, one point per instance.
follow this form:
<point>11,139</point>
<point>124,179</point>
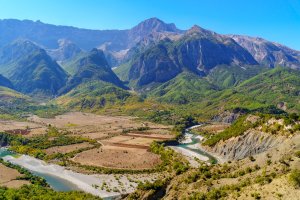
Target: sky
<point>275,20</point>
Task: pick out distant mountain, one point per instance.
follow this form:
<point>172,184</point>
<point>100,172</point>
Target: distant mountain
<point>90,66</point>
<point>120,46</point>
<point>30,69</point>
<point>48,35</point>
<point>4,82</point>
<point>269,53</point>
<point>140,37</point>
<point>66,50</point>
<point>152,27</point>
<point>198,51</point>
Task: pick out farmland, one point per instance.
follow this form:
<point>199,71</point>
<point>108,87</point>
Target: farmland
<point>84,139</point>
<point>9,177</point>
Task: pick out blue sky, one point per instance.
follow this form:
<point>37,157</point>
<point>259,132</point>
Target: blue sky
<point>275,20</point>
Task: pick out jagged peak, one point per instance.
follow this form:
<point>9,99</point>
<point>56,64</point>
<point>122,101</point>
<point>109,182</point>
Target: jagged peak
<point>155,25</point>
<point>199,30</point>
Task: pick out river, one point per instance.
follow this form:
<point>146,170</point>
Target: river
<point>61,179</point>
<point>189,146</point>
<point>58,177</point>
<point>55,182</point>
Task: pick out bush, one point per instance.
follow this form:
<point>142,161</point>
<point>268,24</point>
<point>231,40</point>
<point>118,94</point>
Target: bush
<point>236,129</point>
<point>251,158</point>
<point>297,154</point>
<point>295,178</point>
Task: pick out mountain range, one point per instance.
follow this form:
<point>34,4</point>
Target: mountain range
<point>154,58</point>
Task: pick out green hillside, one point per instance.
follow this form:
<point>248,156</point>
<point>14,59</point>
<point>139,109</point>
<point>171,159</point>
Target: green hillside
<point>31,70</point>
<point>184,88</point>
<point>91,67</point>
<point>93,96</point>
<point>227,76</point>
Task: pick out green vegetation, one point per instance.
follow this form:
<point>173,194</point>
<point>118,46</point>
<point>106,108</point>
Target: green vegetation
<point>242,124</point>
<point>170,160</point>
<point>36,180</point>
<point>36,145</point>
<point>294,177</point>
<point>230,76</point>
<point>91,66</point>
<point>94,96</point>
<point>236,129</point>
<point>38,189</point>
<point>34,192</point>
<point>183,89</point>
<point>32,70</point>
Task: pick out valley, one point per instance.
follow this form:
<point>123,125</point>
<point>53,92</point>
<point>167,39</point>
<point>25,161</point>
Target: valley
<point>107,144</point>
<point>150,112</point>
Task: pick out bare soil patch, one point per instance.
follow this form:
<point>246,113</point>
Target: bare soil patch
<point>24,128</point>
<point>8,177</point>
<point>150,135</point>
<point>213,128</point>
<point>67,148</point>
<point>98,126</point>
<point>118,157</point>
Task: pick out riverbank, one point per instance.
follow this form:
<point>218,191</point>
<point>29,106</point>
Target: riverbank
<point>81,181</point>
<point>190,147</point>
<point>106,186</point>
<point>190,156</point>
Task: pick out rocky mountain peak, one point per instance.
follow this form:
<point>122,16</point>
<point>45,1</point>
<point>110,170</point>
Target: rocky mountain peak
<point>197,30</point>
<point>154,25</point>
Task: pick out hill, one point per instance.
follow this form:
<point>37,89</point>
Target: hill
<point>30,69</point>
<point>93,96</point>
<point>88,67</point>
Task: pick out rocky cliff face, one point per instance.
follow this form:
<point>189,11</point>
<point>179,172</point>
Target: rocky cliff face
<point>152,27</point>
<point>269,53</point>
<point>66,50</point>
<point>198,51</point>
<point>250,143</point>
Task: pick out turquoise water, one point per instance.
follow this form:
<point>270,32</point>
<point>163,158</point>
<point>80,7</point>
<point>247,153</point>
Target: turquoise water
<point>196,140</point>
<point>55,182</point>
<point>5,152</point>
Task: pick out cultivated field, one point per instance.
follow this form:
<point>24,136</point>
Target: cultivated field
<point>125,141</point>
<point>67,148</point>
<point>98,126</point>
<point>118,157</point>
<point>8,177</point>
<point>18,127</point>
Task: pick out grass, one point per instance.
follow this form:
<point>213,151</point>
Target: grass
<point>294,178</point>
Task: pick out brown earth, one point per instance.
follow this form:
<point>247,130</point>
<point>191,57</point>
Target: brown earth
<point>98,126</point>
<point>117,134</point>
<point>20,127</point>
<point>67,148</point>
<point>8,177</point>
<point>118,157</point>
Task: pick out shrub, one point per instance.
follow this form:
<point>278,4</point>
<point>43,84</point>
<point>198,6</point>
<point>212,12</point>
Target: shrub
<point>297,154</point>
<point>251,158</point>
<point>295,178</point>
